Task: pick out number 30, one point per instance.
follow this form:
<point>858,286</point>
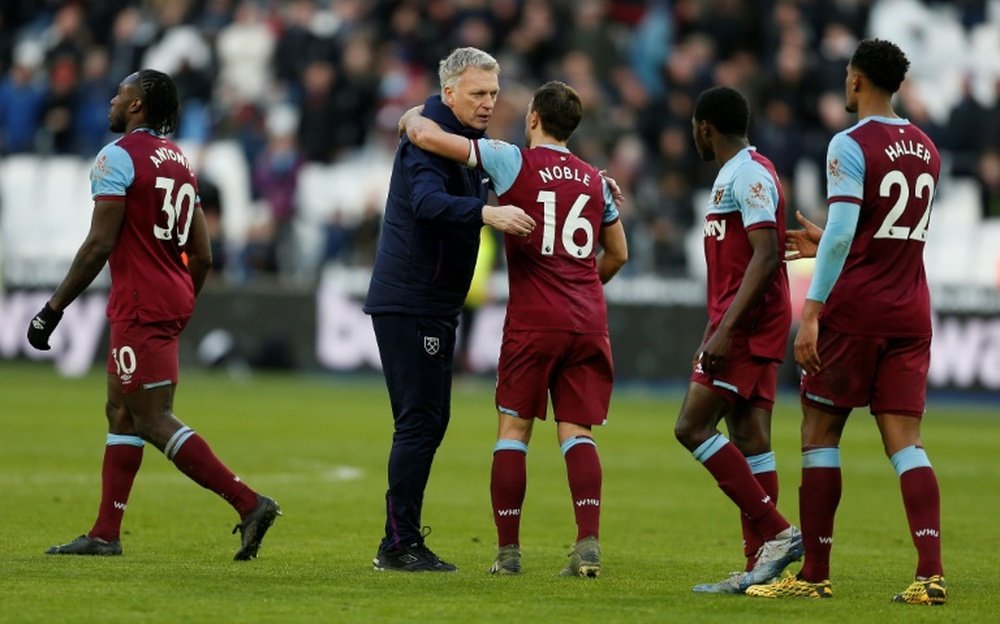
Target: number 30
<point>179,210</point>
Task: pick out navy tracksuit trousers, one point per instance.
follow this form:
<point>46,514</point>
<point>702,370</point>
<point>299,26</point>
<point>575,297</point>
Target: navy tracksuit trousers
<point>417,355</point>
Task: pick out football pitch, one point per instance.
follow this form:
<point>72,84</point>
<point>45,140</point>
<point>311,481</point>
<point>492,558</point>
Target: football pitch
<point>318,444</point>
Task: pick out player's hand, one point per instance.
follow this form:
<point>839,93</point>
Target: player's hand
<point>696,358</point>
<point>42,326</point>
<point>508,219</point>
<point>802,243</point>
<point>616,191</point>
<point>806,353</point>
<point>715,352</point>
<point>407,116</point>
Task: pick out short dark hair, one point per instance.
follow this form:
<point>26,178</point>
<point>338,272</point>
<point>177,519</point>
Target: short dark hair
<point>159,97</point>
<point>559,107</point>
<point>882,62</point>
<point>726,109</point>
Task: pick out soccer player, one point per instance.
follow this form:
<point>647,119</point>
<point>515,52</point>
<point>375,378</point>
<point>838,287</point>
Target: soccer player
<point>555,340</point>
<point>735,367</point>
<point>147,216</point>
<point>865,333</point>
<point>423,267</point>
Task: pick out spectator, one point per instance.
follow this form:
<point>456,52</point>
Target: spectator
<point>59,108</point>
<point>21,98</point>
<point>95,90</point>
<point>989,177</point>
<point>351,67</point>
<point>244,49</point>
<point>275,178</point>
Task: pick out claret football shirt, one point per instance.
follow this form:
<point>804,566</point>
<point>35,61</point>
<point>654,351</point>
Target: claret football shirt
<point>554,284</point>
<point>746,196</point>
<point>149,280</point>
<point>890,168</point>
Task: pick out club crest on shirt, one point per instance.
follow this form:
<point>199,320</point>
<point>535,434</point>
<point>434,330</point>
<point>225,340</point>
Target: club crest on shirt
<point>757,191</point>
<point>833,169</point>
<point>101,168</point>
<point>717,195</point>
<point>432,344</point>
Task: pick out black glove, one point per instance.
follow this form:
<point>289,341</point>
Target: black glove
<point>42,326</point>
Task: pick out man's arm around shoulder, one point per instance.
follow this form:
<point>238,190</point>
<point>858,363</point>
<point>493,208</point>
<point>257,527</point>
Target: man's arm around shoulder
<point>428,135</point>
<point>429,198</point>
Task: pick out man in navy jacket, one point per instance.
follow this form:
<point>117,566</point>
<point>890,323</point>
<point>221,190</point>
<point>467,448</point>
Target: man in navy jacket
<point>423,268</point>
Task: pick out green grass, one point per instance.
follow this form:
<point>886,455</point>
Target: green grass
<point>319,446</point>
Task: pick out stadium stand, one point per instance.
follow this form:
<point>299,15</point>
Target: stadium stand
<point>341,72</point>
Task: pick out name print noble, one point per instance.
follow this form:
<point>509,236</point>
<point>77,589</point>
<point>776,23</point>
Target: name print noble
<point>564,172</point>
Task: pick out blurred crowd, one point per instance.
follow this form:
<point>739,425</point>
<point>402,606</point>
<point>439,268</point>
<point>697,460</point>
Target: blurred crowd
<point>302,83</point>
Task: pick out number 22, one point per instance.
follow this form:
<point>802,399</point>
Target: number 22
<point>889,229</point>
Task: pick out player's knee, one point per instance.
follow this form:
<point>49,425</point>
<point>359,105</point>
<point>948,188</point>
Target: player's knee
<point>116,414</point>
<point>155,430</point>
<point>751,440</point>
<point>689,434</point>
<point>142,430</point>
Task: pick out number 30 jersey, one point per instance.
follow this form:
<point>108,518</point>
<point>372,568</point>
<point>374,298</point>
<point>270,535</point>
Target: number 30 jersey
<point>890,168</point>
<point>552,272</point>
<point>149,280</point>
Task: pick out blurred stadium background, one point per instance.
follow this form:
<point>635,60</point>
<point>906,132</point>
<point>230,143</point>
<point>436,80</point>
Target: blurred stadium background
<point>289,115</point>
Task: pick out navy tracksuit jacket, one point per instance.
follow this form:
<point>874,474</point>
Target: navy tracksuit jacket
<point>423,268</point>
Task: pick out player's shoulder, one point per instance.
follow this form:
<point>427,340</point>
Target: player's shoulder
<point>133,143</point>
<point>496,145</point>
<point>848,134</point>
<point>921,135</point>
<point>847,142</point>
<point>581,162</point>
<point>754,166</point>
<point>112,155</point>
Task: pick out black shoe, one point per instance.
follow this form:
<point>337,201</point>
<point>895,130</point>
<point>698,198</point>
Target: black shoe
<point>413,558</point>
<point>253,528</point>
<point>86,545</point>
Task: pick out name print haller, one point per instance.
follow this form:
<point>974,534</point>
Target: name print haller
<point>908,148</point>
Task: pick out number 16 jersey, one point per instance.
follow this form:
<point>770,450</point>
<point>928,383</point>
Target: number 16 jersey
<point>554,285</point>
<point>890,168</point>
<point>149,280</point>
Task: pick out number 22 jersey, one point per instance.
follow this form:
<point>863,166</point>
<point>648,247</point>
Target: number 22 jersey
<point>890,168</point>
<point>149,279</point>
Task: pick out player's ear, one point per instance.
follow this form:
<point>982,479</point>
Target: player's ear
<point>705,129</point>
<point>448,96</point>
<point>856,81</point>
